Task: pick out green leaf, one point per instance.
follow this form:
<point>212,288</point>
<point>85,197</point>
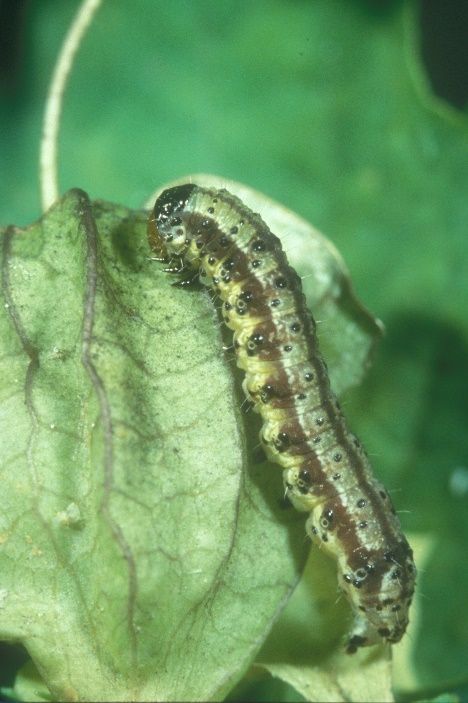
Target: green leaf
<point>367,679</point>
<point>144,556</point>
<point>29,686</point>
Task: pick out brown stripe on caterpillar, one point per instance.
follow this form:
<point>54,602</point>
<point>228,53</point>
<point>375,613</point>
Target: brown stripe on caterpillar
<point>212,236</point>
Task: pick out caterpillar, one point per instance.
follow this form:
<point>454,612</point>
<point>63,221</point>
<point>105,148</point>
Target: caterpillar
<point>210,235</point>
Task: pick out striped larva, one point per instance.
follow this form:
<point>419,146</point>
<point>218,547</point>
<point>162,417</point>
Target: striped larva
<point>210,234</point>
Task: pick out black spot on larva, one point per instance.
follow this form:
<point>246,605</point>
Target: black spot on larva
<point>256,263</point>
<point>326,519</point>
<point>303,489</point>
<point>336,477</point>
<point>203,273</point>
<point>396,574</point>
<point>362,525</point>
<point>378,608</point>
<point>229,264</point>
<point>389,556</point>
<point>304,475</point>
<point>246,296</point>
<point>258,245</point>
<point>175,222</point>
<point>314,531</point>
<point>337,457</point>
<point>347,578</point>
<point>224,241</point>
<point>281,282</point>
<point>266,393</point>
<point>257,338</point>
<point>309,376</point>
<point>287,347</point>
<point>199,243</point>
<point>211,210</point>
<point>383,495</point>
<point>357,641</point>
<point>226,279</point>
<point>211,260</point>
<point>361,503</point>
<point>395,608</point>
<point>227,306</point>
<point>387,601</point>
<point>317,440</point>
<point>169,238</point>
<point>301,396</point>
<point>282,441</point>
<point>384,632</point>
<point>319,421</point>
<point>325,537</point>
<point>205,223</point>
<point>295,327</point>
<point>215,280</point>
<point>234,230</point>
<point>275,302</point>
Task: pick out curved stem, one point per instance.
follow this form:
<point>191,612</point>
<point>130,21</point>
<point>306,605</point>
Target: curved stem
<point>48,152</point>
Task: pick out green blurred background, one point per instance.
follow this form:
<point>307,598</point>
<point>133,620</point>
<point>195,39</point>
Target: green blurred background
<point>352,113</point>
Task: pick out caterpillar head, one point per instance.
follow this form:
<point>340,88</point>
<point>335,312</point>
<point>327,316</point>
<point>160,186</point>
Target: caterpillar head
<point>167,225</point>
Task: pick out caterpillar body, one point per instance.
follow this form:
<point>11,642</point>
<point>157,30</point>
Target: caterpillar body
<point>212,235</point>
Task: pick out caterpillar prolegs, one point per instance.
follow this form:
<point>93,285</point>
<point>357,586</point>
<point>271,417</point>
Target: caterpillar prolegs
<point>210,234</point>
